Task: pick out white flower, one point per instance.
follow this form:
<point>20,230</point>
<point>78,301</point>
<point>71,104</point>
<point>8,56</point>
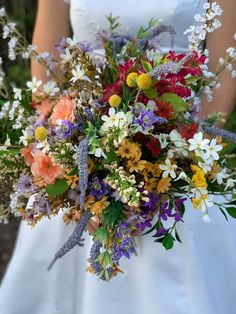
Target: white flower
<point>162,137</point>
<point>26,137</point>
<point>230,183</point>
<point>177,139</point>
<point>44,146</point>
<point>7,30</point>
<point>212,149</point>
<point>220,176</point>
<point>72,42</point>
<point>51,88</point>
<point>34,84</point>
<point>100,153</point>
<point>168,169</point>
<point>206,218</point>
<point>17,93</point>
<point>197,142</point>
<point>115,120</point>
<point>206,203</point>
<point>67,56</point>
<point>182,176</point>
<point>198,192</point>
<point>78,74</point>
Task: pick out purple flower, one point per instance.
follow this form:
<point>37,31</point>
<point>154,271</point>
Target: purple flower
<point>164,212</point>
<point>144,223</point>
<point>61,45</point>
<point>160,232</point>
<point>85,46</point>
<point>151,204</point>
<point>147,119</point>
<point>66,129</point>
<point>41,205</point>
<point>126,247</point>
<point>74,239</point>
<point>97,188</point>
<point>82,163</point>
<point>25,184</point>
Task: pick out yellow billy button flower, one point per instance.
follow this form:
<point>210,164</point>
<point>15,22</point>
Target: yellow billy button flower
<point>144,81</point>
<point>114,101</point>
<point>131,79</point>
<point>41,134</point>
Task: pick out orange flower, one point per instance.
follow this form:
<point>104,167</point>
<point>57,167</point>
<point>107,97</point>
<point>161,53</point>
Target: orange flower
<point>45,107</point>
<point>136,165</point>
<point>99,206</point>
<point>63,110</point>
<point>27,154</point>
<point>129,150</point>
<point>44,170</point>
<point>150,184</point>
<point>163,185</point>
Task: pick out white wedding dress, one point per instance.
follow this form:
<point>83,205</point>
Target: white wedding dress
<point>196,277</point>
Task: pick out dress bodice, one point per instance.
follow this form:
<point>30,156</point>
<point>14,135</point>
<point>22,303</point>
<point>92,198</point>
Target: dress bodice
<point>88,17</point>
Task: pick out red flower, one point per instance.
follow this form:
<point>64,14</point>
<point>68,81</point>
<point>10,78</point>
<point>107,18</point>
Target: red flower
<point>125,68</point>
<point>113,89</point>
<point>155,146</point>
<point>164,109</point>
<point>188,131</point>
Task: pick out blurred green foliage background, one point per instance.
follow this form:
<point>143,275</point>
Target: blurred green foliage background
<point>23,12</point>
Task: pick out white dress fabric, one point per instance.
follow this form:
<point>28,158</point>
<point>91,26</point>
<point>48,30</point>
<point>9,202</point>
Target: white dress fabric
<point>195,277</point>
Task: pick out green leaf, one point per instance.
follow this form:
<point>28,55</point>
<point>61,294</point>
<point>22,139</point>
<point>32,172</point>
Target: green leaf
<point>177,102</point>
<point>113,214</point>
<point>231,162</point>
<point>58,188</point>
<point>101,234</point>
<point>73,172</point>
<point>147,66</point>
<point>231,211</point>
<point>192,79</point>
<point>223,212</point>
<point>150,93</point>
<point>177,237</point>
<point>168,241</point>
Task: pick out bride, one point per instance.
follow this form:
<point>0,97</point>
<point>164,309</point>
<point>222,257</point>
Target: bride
<point>195,277</point>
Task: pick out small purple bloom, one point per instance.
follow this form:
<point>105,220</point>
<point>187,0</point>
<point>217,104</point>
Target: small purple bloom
<point>126,247</point>
<point>85,46</point>
<point>147,119</point>
<point>41,205</point>
<point>98,188</point>
<point>160,232</point>
<point>66,129</point>
<point>151,204</point>
<point>61,45</point>
<point>164,212</point>
<point>143,224</point>
<point>25,184</point>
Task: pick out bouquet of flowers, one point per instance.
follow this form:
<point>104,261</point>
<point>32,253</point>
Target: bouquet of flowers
<point>118,139</point>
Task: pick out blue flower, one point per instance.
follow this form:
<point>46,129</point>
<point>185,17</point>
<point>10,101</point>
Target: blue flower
<point>98,188</point>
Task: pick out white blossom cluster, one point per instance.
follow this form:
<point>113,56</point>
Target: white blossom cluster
<point>209,22</point>
<point>2,74</point>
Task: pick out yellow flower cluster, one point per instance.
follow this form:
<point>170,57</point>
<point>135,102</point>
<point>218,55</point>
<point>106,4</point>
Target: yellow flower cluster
<point>129,150</point>
<point>144,81</point>
<point>41,134</point>
<point>131,79</point>
<point>197,202</point>
<point>199,177</point>
<point>114,101</point>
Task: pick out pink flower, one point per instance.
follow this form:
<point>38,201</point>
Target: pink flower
<point>44,170</point>
<point>63,110</point>
<point>45,107</point>
<point>28,154</point>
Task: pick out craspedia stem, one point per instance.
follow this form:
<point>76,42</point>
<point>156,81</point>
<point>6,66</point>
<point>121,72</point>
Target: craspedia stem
<point>74,239</point>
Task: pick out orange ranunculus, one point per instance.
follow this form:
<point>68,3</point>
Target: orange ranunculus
<point>28,154</point>
<point>44,169</point>
<point>63,110</point>
<point>45,107</point>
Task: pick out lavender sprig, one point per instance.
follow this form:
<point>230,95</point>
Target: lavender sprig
<point>155,32</point>
<point>97,267</point>
<point>82,162</point>
<point>169,67</point>
<point>214,131</point>
<point>74,239</point>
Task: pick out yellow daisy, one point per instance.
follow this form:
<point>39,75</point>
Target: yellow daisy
<point>98,207</point>
<point>129,150</point>
<point>136,165</point>
<point>163,185</point>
